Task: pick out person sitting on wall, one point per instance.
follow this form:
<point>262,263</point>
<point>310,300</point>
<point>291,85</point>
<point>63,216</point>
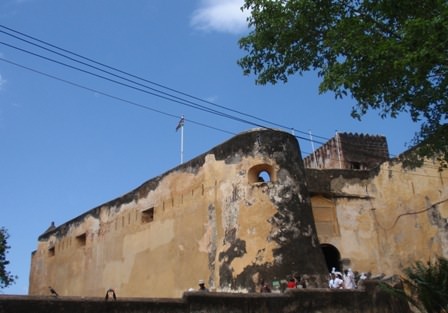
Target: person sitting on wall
<point>336,281</point>
<point>276,287</point>
<point>331,281</point>
<point>112,293</point>
<point>283,285</point>
<point>291,283</point>
<point>300,280</point>
<point>264,287</point>
<point>202,286</point>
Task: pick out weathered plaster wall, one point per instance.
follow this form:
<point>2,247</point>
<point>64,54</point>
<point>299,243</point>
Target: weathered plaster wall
<point>207,219</point>
<point>383,220</point>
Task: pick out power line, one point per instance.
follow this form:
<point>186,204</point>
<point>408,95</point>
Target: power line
<point>164,96</point>
<point>133,76</point>
<point>111,96</point>
<point>154,92</point>
<point>188,103</point>
<point>152,109</point>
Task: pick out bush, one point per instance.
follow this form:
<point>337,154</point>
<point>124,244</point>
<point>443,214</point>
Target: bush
<point>425,286</point>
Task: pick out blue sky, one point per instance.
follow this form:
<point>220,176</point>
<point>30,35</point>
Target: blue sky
<point>74,141</point>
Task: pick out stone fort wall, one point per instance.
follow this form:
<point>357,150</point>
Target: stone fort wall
<point>381,220</point>
<point>235,215</point>
<point>214,218</point>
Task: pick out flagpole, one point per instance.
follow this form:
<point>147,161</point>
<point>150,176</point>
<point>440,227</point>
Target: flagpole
<point>181,126</point>
<point>182,143</point>
<point>312,147</point>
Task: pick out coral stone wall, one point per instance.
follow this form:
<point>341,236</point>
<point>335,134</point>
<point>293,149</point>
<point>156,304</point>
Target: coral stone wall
<point>384,220</point>
<point>232,216</point>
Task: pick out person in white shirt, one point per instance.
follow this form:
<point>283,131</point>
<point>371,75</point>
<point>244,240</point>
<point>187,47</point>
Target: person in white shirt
<point>336,281</point>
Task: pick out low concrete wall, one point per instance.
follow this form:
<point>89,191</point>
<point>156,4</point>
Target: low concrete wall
<point>372,300</point>
<point>39,304</point>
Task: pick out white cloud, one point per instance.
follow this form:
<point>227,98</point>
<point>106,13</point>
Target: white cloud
<point>221,16</point>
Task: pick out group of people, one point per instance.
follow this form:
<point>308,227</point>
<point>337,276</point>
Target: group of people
<point>337,280</point>
<point>292,281</point>
<point>296,281</point>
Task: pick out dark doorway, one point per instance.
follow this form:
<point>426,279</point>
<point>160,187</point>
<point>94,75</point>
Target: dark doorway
<point>332,256</point>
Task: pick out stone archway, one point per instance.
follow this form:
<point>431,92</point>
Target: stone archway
<point>332,256</point>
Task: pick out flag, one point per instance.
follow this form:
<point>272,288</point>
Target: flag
<point>181,123</point>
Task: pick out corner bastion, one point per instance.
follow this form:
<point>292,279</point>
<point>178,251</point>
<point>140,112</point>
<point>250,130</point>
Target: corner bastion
<point>233,216</point>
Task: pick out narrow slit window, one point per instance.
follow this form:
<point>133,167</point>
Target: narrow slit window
<point>148,215</point>
<point>51,251</point>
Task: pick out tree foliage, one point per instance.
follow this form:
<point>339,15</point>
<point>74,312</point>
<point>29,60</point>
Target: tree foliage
<point>6,278</point>
<point>390,56</point>
<point>430,283</point>
<point>425,286</point>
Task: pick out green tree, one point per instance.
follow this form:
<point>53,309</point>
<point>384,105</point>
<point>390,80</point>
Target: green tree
<point>6,278</point>
<point>430,283</point>
<point>425,286</point>
<point>390,56</point>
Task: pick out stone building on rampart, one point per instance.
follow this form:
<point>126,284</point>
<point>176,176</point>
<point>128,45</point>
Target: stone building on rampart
<point>349,151</point>
<point>371,214</point>
<point>249,210</point>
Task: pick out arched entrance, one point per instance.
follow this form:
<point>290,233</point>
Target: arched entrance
<point>332,256</point>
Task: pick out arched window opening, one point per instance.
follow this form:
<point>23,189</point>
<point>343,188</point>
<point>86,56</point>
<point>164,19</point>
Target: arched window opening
<point>262,173</point>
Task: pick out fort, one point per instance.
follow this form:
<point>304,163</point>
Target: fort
<point>232,216</point>
<point>252,209</point>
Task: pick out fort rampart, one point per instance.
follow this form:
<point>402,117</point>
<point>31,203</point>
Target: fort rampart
<point>371,300</point>
<point>232,216</point>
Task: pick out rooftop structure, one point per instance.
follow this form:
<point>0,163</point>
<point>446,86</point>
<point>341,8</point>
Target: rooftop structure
<point>349,151</point>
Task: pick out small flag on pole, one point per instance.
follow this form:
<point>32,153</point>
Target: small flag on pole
<point>181,123</point>
<point>181,126</point>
